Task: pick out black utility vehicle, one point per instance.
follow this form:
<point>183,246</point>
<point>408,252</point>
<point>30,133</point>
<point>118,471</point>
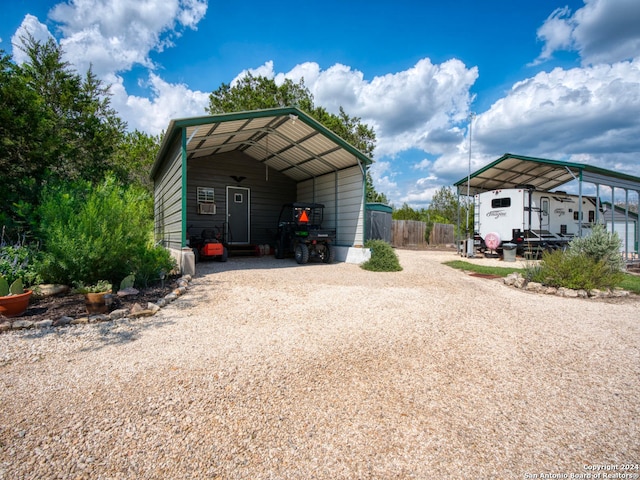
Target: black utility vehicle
<point>300,232</point>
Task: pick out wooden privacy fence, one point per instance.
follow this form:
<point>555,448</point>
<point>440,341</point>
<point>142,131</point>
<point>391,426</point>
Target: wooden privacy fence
<point>441,234</point>
<point>408,233</point>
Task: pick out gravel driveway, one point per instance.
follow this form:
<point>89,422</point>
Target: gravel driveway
<point>270,370</point>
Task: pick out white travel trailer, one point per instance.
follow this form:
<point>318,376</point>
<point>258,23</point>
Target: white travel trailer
<point>532,220</point>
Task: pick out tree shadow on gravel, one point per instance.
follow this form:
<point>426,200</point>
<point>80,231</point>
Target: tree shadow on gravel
<point>101,335</point>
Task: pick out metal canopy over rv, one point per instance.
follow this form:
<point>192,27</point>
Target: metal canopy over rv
<point>538,215</point>
<point>531,219</point>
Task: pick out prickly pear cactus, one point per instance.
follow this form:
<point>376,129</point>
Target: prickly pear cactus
<point>16,288</point>
<point>4,287</point>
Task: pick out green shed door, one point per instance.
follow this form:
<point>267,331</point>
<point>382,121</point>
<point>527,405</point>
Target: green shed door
<point>238,204</point>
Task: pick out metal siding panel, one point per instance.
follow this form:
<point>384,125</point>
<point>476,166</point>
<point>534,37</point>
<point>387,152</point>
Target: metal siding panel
<point>168,202</point>
<point>304,191</point>
<point>277,164</point>
<point>276,143</point>
<point>230,127</point>
<point>340,159</point>
<point>318,144</point>
<point>351,200</point>
<point>350,217</point>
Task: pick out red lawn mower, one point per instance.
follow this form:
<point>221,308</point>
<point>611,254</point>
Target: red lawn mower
<point>209,245</point>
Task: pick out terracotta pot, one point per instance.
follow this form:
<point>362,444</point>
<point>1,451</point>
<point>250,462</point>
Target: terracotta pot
<point>98,302</point>
<point>15,305</point>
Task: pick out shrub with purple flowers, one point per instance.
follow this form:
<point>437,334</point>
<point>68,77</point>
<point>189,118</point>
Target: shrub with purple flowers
<point>18,260</point>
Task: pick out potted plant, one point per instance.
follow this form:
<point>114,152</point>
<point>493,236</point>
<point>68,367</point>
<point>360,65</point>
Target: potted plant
<point>97,296</point>
<point>17,270</point>
<point>14,298</point>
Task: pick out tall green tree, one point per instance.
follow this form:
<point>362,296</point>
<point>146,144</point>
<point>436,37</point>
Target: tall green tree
<point>134,158</point>
<point>372,196</point>
<point>408,213</point>
<point>258,92</point>
<point>84,129</point>
<point>23,130</point>
<point>445,207</point>
<point>56,126</point>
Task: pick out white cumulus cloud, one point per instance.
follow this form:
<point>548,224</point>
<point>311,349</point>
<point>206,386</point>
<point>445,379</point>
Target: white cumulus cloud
<point>30,26</point>
<point>603,31</point>
<point>415,108</point>
<point>114,35</point>
<point>151,113</point>
<point>568,112</point>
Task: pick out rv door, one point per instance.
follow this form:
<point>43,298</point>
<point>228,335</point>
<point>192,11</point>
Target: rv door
<point>544,213</point>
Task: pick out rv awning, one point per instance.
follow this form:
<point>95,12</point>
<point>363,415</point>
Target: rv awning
<point>285,139</point>
<point>511,171</point>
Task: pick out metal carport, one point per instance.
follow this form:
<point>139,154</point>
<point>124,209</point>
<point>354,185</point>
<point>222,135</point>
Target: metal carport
<point>283,142</point>
<point>511,171</point>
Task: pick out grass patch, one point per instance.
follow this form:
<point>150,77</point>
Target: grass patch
<point>486,270</point>
<point>631,283</point>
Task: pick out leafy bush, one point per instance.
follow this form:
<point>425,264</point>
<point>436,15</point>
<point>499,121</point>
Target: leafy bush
<point>383,257</point>
<point>600,246</point>
<point>98,287</point>
<point>19,260</point>
<point>91,233</point>
<point>151,264</point>
<point>566,269</point>
<point>590,262</point>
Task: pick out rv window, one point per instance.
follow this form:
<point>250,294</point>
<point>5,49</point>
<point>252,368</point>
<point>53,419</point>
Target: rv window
<point>592,216</point>
<point>545,207</point>
<point>501,202</point>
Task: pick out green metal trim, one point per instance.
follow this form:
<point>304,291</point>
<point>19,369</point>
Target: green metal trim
<point>379,207</point>
<point>184,187</point>
<point>577,166</point>
<point>363,169</point>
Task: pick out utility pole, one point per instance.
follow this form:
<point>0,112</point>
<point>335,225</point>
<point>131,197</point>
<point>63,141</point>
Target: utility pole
<point>470,248</point>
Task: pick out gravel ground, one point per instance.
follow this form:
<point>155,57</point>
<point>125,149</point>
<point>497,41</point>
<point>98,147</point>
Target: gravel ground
<point>270,370</point>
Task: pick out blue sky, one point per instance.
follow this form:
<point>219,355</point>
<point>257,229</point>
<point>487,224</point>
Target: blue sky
<point>547,78</point>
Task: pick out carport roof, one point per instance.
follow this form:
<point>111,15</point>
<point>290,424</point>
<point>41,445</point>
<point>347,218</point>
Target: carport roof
<point>511,171</point>
<point>285,139</point>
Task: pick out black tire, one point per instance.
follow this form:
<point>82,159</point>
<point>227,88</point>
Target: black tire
<point>329,254</point>
<point>302,253</point>
<point>279,251</point>
<point>225,254</point>
<point>196,254</point>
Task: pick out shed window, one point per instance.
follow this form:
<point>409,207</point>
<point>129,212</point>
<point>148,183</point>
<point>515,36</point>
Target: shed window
<point>501,202</point>
<point>206,201</point>
<point>206,195</point>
